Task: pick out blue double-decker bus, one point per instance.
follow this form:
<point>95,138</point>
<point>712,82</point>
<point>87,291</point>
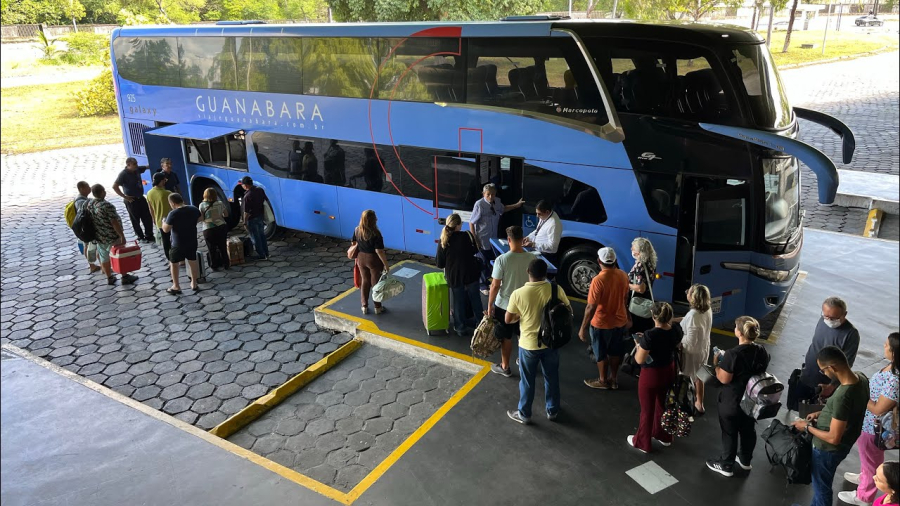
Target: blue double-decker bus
<point>680,133</point>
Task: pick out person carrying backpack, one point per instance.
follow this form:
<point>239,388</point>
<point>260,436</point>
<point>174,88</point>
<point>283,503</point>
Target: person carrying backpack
<point>72,209</point>
<point>734,369</point>
<point>528,306</point>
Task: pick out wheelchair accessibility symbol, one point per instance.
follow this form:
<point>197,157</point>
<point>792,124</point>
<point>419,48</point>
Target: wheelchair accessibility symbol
<point>530,221</point>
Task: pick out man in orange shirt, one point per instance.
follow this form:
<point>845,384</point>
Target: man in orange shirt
<point>606,314</point>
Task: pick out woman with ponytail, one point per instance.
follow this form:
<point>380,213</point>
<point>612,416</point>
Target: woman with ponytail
<point>734,369</point>
<point>456,255</point>
<point>656,353</point>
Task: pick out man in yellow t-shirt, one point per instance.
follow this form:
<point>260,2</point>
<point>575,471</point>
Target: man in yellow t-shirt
<point>526,305</point>
<point>158,200</point>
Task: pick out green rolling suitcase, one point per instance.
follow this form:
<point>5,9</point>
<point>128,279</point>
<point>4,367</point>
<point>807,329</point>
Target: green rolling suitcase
<point>435,303</point>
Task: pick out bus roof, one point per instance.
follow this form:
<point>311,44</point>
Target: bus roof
<point>705,34</point>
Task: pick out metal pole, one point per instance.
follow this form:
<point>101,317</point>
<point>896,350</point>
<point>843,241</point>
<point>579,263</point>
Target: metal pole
<point>828,11</point>
<point>570,8</point>
<point>615,7</point>
<point>771,20</point>
<point>840,14</point>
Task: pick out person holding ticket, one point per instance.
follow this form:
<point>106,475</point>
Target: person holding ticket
<point>545,238</point>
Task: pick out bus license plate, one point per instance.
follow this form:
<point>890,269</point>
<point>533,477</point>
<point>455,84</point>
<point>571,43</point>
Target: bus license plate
<point>716,304</point>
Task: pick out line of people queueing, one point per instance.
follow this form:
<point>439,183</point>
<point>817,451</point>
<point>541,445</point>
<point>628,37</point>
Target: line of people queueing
<point>176,222</point>
<point>519,291</point>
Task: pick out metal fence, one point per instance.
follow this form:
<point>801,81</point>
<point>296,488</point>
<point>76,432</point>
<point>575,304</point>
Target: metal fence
<point>14,33</point>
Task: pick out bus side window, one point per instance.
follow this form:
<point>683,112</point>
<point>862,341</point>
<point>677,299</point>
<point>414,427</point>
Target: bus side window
<point>572,199</point>
<point>218,150</point>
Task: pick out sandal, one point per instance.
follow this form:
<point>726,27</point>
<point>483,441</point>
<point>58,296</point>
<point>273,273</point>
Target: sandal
<point>94,268</point>
<point>172,291</point>
<point>197,289</point>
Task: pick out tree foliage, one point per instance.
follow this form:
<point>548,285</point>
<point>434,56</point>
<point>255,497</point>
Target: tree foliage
<point>430,10</point>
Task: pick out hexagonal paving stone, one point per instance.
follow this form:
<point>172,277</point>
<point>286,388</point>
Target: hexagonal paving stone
<point>178,405</point>
<point>410,397</point>
<point>228,391</point>
<point>290,427</point>
<point>200,391</point>
<point>394,410</point>
<point>173,391</point>
<point>320,426</point>
<point>268,443</point>
<point>254,392</point>
<point>206,405</point>
<point>377,426</point>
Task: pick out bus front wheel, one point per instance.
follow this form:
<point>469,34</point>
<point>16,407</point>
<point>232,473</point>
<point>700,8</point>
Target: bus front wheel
<point>577,268</point>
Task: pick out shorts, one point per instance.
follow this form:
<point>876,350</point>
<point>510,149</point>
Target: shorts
<point>179,254</point>
<point>503,330</point>
<point>607,342</point>
<point>103,252</point>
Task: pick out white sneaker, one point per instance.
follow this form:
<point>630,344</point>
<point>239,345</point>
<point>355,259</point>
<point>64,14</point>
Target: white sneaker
<point>852,478</point>
<point>849,497</point>
<point>630,440</point>
<point>663,442</point>
<point>745,467</point>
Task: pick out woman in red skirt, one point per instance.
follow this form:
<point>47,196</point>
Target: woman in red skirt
<point>656,354</point>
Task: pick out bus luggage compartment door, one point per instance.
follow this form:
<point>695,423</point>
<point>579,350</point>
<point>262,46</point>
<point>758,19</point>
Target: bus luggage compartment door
<point>311,207</point>
<point>721,237</point>
<point>158,147</point>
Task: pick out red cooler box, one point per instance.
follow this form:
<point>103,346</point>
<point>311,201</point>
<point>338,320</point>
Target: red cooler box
<point>125,258</point>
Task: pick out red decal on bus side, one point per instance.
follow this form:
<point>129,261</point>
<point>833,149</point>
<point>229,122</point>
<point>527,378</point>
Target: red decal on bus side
<point>440,31</point>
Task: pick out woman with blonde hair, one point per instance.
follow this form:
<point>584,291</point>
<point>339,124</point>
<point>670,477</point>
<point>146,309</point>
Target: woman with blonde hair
<point>456,255</point>
<point>640,280</point>
<point>215,231</point>
<point>734,368</point>
<point>697,325</point>
<point>656,354</point>
<point>371,258</point>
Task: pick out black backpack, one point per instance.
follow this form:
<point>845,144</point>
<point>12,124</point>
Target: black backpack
<point>83,226</point>
<point>791,450</point>
<point>556,322</point>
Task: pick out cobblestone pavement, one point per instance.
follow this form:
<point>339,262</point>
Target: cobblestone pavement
<point>203,357</point>
<point>865,94</point>
<point>350,419</point>
<point>200,357</point>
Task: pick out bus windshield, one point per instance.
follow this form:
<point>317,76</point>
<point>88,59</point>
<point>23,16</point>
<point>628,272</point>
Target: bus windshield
<point>766,95</point>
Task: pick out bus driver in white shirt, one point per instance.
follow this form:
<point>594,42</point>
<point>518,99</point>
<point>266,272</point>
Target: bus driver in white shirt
<point>546,236</point>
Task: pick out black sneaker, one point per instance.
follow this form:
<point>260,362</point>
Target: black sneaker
<point>128,279</point>
<point>720,467</point>
<point>111,280</point>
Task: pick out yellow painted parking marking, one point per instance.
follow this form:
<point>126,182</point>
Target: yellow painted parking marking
<point>386,464</point>
<point>873,223</point>
<point>722,332</point>
<point>260,406</point>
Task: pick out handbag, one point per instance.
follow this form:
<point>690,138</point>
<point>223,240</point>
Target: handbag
<point>353,251</point>
<point>357,276</point>
<point>630,365</point>
<point>387,287</point>
<point>484,342</point>
<point>640,306</point>
<point>886,427</point>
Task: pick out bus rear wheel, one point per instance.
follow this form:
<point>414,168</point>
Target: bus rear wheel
<point>272,228</point>
<point>577,268</point>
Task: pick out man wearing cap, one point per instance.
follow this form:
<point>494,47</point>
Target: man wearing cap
<point>253,209</point>
<point>606,315</point>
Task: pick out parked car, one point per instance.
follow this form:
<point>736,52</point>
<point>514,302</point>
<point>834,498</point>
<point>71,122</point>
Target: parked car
<point>780,26</point>
<point>869,20</point>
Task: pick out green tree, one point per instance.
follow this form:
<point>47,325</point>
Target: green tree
<point>251,9</point>
<point>430,10</point>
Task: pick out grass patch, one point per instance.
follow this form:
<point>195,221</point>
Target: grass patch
<point>839,44</point>
<point>42,117</point>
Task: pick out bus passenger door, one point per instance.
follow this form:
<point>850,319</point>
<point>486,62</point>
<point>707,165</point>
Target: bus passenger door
<point>722,246</point>
<point>458,186</point>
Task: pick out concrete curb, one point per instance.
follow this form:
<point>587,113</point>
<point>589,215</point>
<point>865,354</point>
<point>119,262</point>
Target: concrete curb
<point>260,406</point>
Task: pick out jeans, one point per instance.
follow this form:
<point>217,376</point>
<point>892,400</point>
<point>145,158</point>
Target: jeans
<point>528,363</point>
<point>824,465</point>
<point>463,297</point>
<point>256,227</point>
<point>487,269</point>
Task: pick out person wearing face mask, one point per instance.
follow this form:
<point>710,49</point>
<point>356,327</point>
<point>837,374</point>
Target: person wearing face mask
<point>833,329</point>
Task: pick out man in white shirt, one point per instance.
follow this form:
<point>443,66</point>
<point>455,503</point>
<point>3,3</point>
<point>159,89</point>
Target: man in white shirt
<point>546,236</point>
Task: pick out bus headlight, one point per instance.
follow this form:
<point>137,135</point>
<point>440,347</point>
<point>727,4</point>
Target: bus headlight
<point>775,276</point>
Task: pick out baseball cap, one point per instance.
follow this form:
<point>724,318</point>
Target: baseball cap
<point>158,178</point>
<point>246,180</point>
<point>606,255</point>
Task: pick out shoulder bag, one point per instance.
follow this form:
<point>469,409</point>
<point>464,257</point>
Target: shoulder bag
<point>640,306</point>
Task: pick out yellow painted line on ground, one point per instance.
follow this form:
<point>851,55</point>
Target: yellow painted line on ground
<point>386,464</point>
<point>258,407</point>
<point>224,444</point>
<point>577,299</point>
<point>722,332</point>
